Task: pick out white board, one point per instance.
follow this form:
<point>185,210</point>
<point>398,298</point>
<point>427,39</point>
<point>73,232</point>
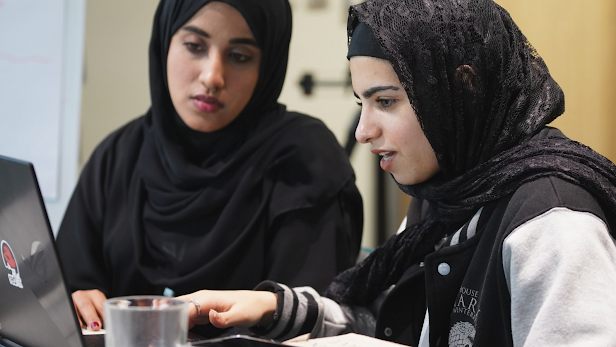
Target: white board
<point>41,63</point>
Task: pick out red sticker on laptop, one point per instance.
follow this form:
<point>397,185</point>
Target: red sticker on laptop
<point>8,258</point>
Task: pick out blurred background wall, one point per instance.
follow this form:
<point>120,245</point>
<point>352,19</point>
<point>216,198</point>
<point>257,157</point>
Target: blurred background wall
<point>576,38</point>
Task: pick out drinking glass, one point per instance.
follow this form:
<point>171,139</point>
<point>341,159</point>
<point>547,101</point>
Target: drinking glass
<point>145,321</point>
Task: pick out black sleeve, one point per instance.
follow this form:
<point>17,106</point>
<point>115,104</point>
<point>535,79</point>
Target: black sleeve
<point>309,246</point>
<point>79,241</point>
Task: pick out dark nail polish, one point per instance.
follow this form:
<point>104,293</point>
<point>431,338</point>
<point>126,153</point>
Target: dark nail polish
<point>94,325</point>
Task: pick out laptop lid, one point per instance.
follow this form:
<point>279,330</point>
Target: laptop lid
<point>35,306</point>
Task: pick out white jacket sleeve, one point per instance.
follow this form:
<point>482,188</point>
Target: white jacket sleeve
<point>560,268</point>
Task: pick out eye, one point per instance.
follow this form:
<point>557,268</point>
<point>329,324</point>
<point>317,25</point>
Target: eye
<point>194,47</point>
<point>239,57</point>
<point>359,103</point>
<point>385,103</point>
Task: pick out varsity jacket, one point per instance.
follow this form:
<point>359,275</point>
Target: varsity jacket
<point>537,268</point>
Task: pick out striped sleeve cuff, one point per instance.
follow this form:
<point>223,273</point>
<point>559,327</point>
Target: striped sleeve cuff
<point>297,311</point>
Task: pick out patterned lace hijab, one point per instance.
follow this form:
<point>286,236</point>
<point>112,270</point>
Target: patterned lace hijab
<point>482,95</point>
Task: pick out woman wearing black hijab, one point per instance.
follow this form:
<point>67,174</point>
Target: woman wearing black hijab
<point>510,236</point>
<point>217,186</point>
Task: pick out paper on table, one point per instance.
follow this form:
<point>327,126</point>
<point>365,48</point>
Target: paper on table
<point>346,340</point>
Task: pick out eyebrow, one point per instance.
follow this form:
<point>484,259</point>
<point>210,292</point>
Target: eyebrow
<point>239,40</point>
<point>371,91</point>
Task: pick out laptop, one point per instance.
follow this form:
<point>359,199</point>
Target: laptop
<point>36,308</point>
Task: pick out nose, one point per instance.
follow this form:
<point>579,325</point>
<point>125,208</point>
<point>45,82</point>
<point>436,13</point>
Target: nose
<point>367,130</point>
<point>213,71</point>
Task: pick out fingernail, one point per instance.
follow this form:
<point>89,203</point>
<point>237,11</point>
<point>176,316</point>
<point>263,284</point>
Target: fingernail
<point>213,313</point>
<point>94,325</point>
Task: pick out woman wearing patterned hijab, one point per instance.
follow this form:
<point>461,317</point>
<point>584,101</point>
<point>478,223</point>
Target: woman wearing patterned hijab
<point>509,239</point>
<point>217,186</point>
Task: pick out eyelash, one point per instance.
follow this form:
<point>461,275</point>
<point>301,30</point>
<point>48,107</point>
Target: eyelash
<point>239,57</point>
<point>194,48</point>
<point>384,103</point>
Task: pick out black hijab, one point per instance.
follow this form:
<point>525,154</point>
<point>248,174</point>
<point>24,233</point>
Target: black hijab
<point>270,23</point>
<point>200,197</point>
<point>482,95</point>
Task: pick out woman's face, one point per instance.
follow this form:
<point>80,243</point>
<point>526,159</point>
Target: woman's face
<point>389,123</point>
<point>212,67</point>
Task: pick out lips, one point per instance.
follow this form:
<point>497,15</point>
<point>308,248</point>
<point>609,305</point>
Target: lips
<point>386,159</point>
<point>206,103</point>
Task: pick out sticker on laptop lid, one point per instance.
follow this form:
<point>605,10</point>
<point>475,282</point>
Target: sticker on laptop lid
<point>8,258</point>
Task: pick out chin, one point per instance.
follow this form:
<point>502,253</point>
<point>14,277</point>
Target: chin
<point>404,180</point>
<point>409,180</point>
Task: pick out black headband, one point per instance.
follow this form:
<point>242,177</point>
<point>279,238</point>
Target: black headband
<point>363,42</point>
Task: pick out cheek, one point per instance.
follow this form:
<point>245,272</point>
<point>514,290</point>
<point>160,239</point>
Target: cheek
<point>415,144</point>
<point>180,72</point>
<point>246,82</point>
<point>178,76</point>
<point>406,137</point>
<point>252,79</point>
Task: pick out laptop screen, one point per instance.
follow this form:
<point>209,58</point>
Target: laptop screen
<point>35,306</point>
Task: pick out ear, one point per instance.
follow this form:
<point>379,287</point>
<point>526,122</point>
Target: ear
<point>465,78</point>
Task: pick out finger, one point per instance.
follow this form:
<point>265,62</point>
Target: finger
<point>86,309</point>
<point>193,311</point>
<point>196,310</point>
<point>82,324</point>
<point>217,319</point>
<point>98,299</point>
<point>230,318</point>
<point>194,316</point>
<point>198,319</point>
